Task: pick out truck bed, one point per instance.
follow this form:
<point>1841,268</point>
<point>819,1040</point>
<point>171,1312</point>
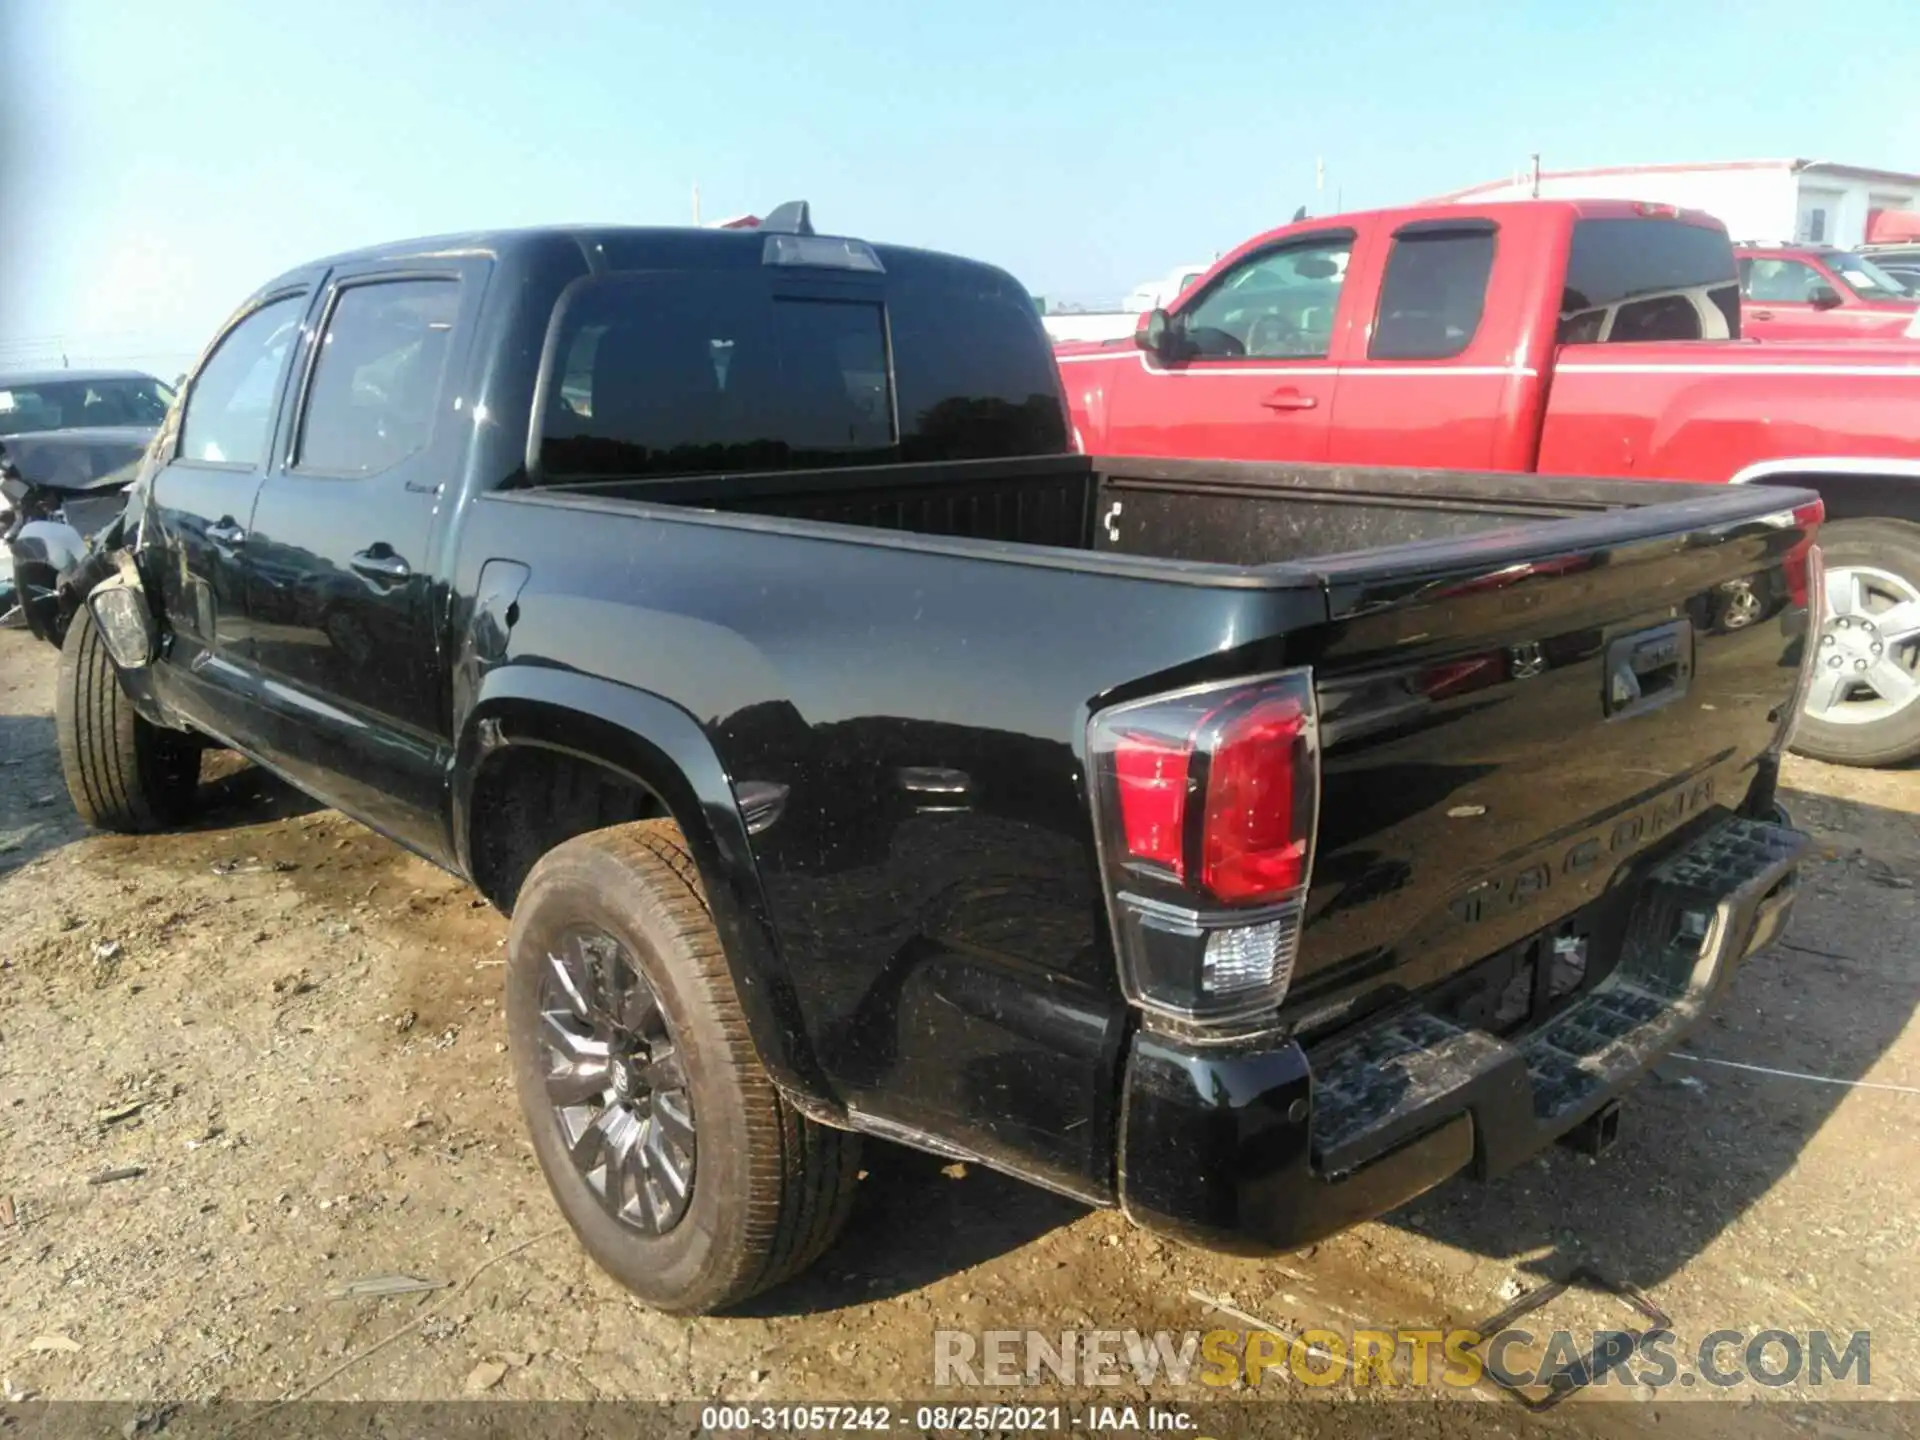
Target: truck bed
<point>1218,515</point>
<point>843,636</point>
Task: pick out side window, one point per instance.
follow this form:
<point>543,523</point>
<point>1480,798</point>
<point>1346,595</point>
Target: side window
<point>1615,264</point>
<point>1277,305</point>
<point>1433,294</point>
<point>1781,282</point>
<point>231,406</point>
<point>680,374</point>
<point>376,384</point>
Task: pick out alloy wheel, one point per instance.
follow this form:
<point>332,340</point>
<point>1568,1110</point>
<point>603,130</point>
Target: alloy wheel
<point>616,1082</point>
<point>1868,664</point>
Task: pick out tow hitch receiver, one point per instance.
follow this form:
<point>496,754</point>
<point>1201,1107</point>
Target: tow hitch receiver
<point>1595,1135</point>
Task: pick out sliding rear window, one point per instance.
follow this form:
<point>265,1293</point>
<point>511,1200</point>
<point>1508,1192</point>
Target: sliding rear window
<point>691,372</point>
<point>975,368</point>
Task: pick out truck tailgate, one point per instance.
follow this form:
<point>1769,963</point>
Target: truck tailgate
<point>1511,720</point>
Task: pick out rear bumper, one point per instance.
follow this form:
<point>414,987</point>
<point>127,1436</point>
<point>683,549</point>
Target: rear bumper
<point>1255,1148</point>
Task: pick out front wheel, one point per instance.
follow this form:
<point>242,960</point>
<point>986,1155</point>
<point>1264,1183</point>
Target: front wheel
<point>682,1169</point>
<point>123,772</point>
<point>1863,701</point>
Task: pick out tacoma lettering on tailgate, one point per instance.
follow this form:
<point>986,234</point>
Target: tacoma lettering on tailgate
<point>1623,837</point>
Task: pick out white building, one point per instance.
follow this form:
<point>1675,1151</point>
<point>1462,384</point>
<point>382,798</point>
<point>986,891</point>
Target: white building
<point>1817,201</point>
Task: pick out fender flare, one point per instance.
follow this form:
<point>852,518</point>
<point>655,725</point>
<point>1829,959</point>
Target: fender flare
<point>1895,496</point>
<point>654,743</point>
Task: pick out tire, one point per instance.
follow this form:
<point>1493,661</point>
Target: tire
<point>123,773</point>
<point>1890,551</point>
<point>768,1189</point>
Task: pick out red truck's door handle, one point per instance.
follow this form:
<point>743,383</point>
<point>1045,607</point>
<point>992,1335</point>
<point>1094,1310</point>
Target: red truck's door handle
<point>1762,314</point>
<point>1288,398</point>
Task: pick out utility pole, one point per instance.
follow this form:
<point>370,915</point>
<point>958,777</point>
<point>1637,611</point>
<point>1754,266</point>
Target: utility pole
<point>1535,159</point>
<point>696,202</point>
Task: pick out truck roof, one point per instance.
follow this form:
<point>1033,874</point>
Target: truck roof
<point>1455,210</point>
<point>682,244</point>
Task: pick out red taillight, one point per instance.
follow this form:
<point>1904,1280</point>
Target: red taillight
<point>1243,755</point>
<point>1251,846</point>
<point>1205,803</point>
<point>1151,773</point>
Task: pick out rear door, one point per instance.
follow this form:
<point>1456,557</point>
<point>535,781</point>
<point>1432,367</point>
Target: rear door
<point>1426,383</point>
<point>1257,380</point>
<point>347,617</point>
<point>201,502</point>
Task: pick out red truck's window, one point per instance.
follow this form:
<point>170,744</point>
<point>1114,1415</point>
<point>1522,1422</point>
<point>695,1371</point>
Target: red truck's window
<point>1781,282</point>
<point>1276,305</point>
<point>1431,300</point>
<point>1613,264</point>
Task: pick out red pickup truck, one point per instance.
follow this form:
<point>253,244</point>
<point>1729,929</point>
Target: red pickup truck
<point>1596,338</point>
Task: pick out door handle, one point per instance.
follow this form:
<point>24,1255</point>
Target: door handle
<point>1289,399</point>
<point>380,563</point>
<point>1763,314</point>
<point>224,532</point>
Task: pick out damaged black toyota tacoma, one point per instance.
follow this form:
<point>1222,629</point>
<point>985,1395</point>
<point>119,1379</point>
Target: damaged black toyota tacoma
<point>1250,847</point>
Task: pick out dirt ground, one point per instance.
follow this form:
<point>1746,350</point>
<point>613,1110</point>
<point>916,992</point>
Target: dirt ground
<point>291,1030</point>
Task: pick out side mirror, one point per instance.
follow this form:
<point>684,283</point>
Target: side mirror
<point>1154,333</point>
<point>1824,297</point>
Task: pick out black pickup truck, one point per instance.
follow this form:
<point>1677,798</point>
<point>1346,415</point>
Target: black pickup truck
<point>1250,847</point>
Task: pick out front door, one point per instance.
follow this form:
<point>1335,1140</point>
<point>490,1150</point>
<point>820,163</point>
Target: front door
<point>200,504</point>
<point>1782,299</point>
<point>348,618</point>
<point>1253,378</point>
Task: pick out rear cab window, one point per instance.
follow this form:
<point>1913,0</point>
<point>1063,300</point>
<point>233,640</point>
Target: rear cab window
<point>755,368</point>
<point>1648,279</point>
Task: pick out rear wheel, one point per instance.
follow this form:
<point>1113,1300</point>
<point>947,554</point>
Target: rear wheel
<point>123,772</point>
<point>684,1172</point>
<point>1863,703</point>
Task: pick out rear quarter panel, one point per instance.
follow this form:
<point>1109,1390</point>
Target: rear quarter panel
<point>944,942</point>
<point>1674,412</point>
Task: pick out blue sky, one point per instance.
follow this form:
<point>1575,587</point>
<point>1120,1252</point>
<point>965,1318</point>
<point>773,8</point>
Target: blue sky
<point>161,160</point>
